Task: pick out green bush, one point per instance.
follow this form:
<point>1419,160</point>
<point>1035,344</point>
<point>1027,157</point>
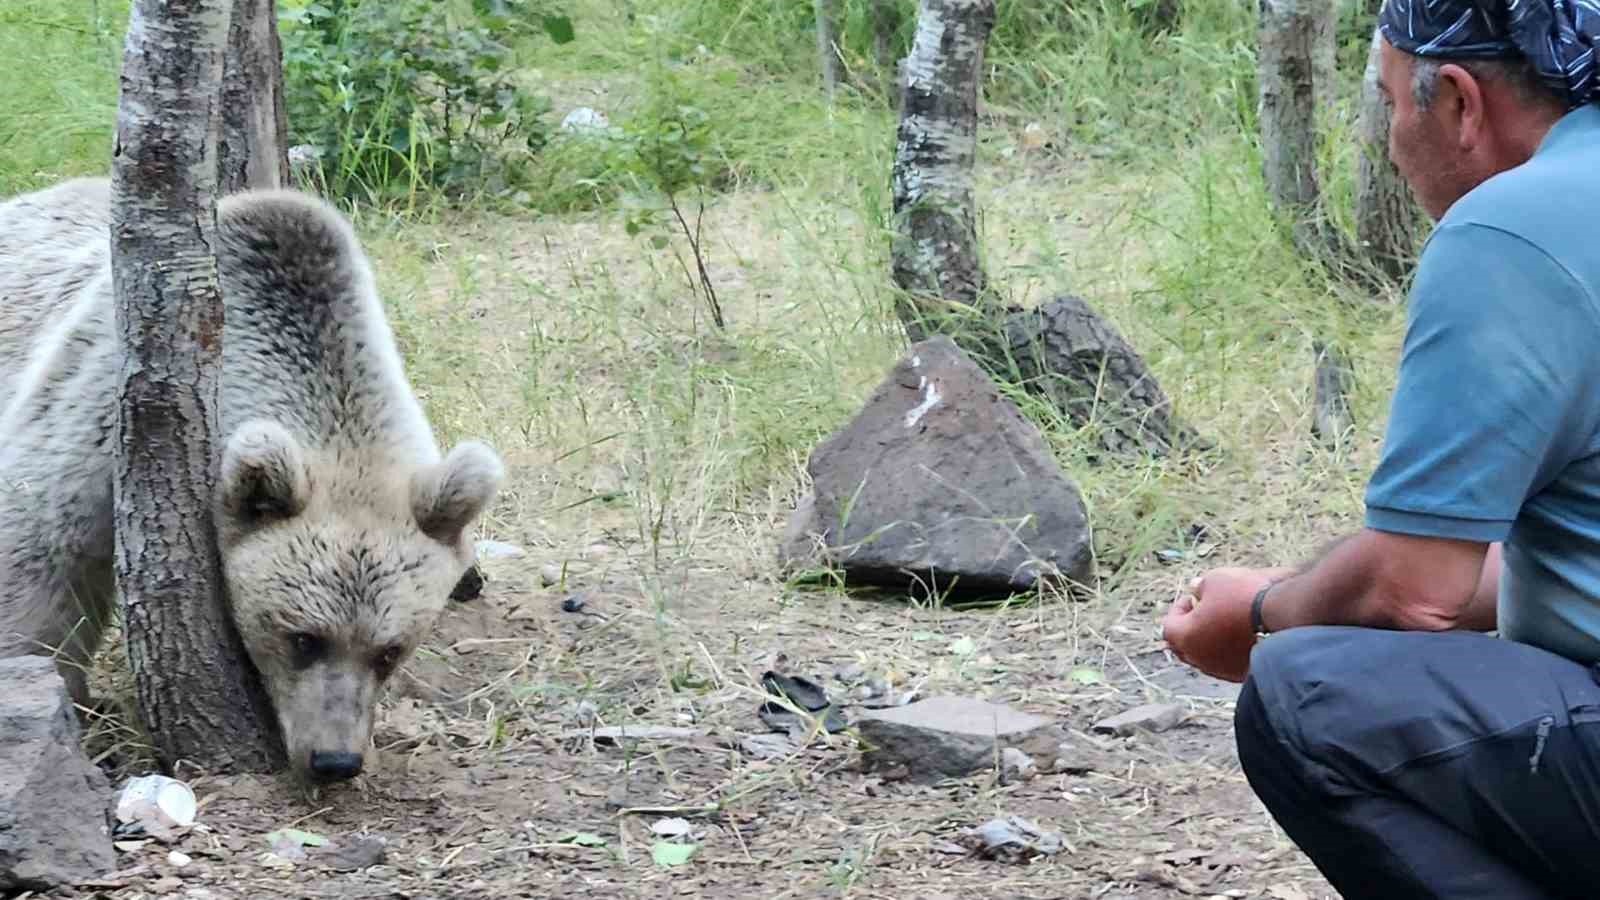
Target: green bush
<point>400,96</point>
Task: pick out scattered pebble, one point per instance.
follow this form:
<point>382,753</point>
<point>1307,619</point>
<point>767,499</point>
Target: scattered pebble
<point>550,575</point>
<point>585,713</point>
<point>1013,839</point>
<point>1016,765</point>
<point>674,827</point>
<point>179,859</point>
<point>850,673</point>
<point>1155,717</point>
<point>574,603</point>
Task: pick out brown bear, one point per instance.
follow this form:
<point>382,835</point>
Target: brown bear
<point>341,525</point>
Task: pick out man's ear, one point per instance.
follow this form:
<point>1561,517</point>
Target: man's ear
<point>449,496</point>
<point>263,476</point>
<point>1461,100</point>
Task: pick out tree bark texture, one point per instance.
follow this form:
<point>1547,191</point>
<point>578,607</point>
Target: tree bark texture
<point>935,253</point>
<point>1287,34</point>
<point>253,147</point>
<point>198,695</point>
<point>827,13</point>
<point>1325,55</point>
<point>1386,213</point>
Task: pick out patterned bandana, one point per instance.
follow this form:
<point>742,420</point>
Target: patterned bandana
<point>1559,37</point>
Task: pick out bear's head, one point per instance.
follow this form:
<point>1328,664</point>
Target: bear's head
<point>337,565</point>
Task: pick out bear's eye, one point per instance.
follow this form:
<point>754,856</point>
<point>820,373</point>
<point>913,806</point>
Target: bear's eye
<point>386,660</point>
<point>306,649</point>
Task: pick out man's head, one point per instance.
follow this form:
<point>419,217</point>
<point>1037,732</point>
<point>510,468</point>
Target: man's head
<point>1475,85</point>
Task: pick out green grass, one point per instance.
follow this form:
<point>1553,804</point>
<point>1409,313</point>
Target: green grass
<point>585,355</point>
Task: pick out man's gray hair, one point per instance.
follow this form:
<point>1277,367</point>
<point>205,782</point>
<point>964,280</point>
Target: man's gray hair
<point>1519,73</point>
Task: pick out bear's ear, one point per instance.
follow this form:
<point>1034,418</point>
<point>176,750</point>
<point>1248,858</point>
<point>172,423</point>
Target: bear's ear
<point>447,497</point>
<point>263,475</point>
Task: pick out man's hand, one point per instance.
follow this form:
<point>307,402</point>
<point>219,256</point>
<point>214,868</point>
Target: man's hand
<point>1209,628</point>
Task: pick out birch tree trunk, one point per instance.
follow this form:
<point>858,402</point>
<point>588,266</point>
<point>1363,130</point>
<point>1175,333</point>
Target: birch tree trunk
<point>1385,214</point>
<point>199,697</point>
<point>935,257</point>
<point>827,37</point>
<point>1062,350</point>
<point>1288,114</point>
<point>253,147</point>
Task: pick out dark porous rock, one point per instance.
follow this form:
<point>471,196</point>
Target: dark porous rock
<point>950,737</point>
<point>939,483</point>
<point>1066,352</point>
<point>54,827</point>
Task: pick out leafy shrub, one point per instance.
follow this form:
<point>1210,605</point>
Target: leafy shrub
<point>403,95</point>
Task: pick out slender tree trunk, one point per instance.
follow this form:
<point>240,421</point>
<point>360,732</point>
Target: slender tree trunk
<point>935,258</point>
<point>199,697</point>
<point>827,12</point>
<point>1288,29</point>
<point>1062,350</point>
<point>253,145</point>
<point>1386,214</point>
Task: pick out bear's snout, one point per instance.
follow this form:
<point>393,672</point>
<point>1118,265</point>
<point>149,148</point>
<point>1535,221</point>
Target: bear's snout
<point>327,767</point>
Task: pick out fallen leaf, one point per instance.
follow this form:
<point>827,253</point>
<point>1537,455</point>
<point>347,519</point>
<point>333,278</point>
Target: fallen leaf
<point>1086,676</point>
<point>666,853</point>
<point>297,837</point>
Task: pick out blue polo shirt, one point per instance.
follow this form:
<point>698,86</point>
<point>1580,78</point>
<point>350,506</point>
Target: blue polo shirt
<point>1494,428</point>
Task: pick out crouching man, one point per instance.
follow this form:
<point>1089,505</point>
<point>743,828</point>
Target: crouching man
<point>1409,754</point>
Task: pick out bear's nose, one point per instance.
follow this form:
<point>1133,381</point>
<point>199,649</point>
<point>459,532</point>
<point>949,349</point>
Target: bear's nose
<point>335,766</point>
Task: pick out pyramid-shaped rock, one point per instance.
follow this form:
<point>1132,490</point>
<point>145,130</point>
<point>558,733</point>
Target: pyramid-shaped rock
<point>940,482</point>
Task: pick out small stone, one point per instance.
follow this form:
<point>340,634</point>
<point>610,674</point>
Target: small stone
<point>585,713</point>
<point>850,673</point>
<point>574,603</point>
<point>948,737</point>
<point>1013,838</point>
<point>550,575</point>
<point>167,885</point>
<point>179,859</point>
<point>1016,765</point>
<point>1155,717</point>
<point>350,854</point>
<point>767,746</point>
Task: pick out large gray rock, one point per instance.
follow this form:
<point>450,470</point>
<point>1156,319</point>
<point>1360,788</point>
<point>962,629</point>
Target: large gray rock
<point>940,482</point>
<point>949,737</point>
<point>54,827</point>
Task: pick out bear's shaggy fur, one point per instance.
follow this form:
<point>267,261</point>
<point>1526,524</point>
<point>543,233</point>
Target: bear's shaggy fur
<point>341,525</point>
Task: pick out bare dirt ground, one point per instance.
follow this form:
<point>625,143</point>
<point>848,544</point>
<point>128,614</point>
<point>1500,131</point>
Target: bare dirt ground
<point>487,785</point>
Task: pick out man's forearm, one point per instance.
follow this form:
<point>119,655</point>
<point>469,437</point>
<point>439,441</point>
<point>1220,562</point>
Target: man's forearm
<point>1355,583</point>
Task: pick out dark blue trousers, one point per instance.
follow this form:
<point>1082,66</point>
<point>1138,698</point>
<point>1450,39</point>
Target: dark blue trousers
<point>1427,765</point>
